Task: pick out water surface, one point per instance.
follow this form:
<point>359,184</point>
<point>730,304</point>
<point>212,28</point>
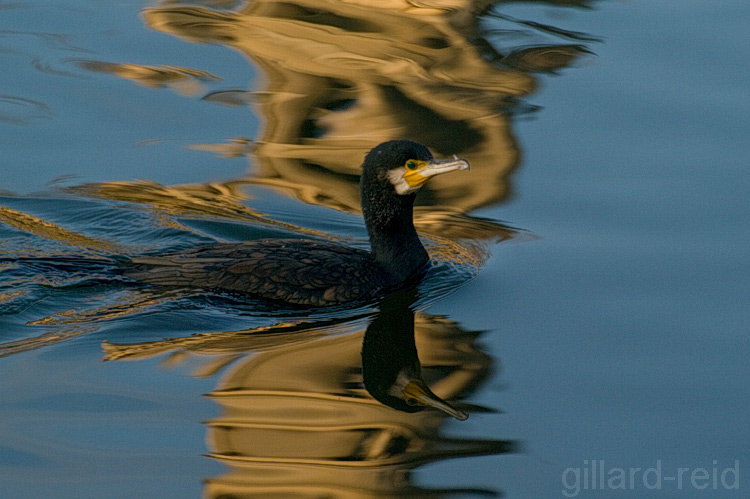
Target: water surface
<point>587,304</point>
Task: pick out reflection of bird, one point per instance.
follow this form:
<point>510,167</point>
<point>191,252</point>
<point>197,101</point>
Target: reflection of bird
<point>319,273</point>
<point>391,370</point>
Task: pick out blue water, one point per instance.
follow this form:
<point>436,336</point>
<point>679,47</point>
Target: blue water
<point>606,336</point>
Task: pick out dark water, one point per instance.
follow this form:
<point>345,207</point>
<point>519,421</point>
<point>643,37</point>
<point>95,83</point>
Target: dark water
<point>588,300</point>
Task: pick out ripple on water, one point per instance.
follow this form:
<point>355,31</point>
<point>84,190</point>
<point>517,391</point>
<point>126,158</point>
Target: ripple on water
<point>21,111</point>
<point>57,283</point>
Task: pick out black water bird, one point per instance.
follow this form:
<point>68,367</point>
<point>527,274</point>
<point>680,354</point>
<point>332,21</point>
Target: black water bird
<point>314,272</point>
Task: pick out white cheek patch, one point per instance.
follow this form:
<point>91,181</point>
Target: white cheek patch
<point>397,389</point>
<point>396,176</point>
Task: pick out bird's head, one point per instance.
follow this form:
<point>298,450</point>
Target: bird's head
<point>407,165</point>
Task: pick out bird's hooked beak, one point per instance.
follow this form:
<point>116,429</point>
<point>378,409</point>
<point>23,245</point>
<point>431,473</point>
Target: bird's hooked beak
<point>426,169</point>
<point>416,392</point>
<point>410,177</point>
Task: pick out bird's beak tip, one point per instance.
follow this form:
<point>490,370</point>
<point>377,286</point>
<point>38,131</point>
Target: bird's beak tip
<point>419,391</point>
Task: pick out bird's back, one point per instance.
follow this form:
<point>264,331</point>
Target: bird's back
<point>296,271</point>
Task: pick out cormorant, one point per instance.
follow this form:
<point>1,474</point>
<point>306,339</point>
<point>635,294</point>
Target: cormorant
<point>314,272</point>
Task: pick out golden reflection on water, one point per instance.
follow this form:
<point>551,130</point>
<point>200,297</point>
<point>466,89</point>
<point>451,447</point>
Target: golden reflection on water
<point>295,418</point>
<point>342,77</point>
<point>49,230</point>
<point>185,81</point>
<point>339,78</point>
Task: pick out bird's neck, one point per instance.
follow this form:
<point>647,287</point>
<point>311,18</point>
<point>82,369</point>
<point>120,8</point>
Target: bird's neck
<point>393,239</point>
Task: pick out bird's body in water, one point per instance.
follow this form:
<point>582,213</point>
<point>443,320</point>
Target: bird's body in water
<point>320,273</point>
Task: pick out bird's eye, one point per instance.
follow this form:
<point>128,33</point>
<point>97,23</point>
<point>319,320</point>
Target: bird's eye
<point>411,401</point>
<point>411,164</point>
